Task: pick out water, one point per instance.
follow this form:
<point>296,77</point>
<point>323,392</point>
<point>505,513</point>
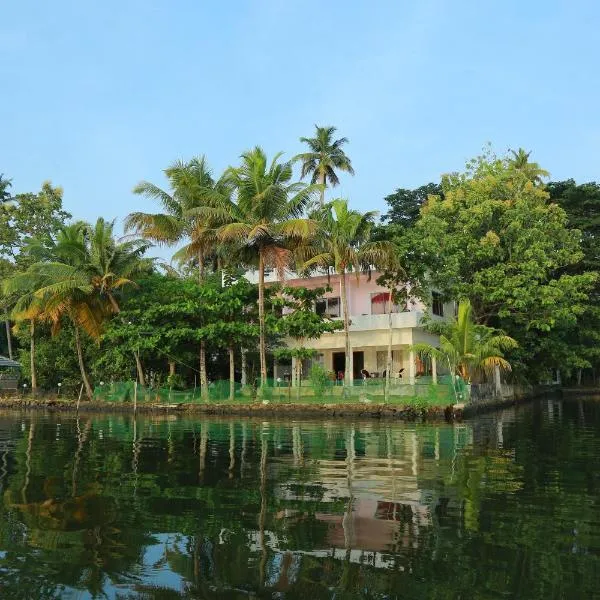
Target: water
<point>506,506</point>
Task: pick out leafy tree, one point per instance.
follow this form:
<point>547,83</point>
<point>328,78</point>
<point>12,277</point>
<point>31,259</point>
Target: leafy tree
<point>405,205</point>
<point>343,245</point>
<point>471,351</point>
<point>301,322</point>
<point>496,239</point>
<point>263,223</point>
<point>192,188</point>
<point>324,158</point>
<point>4,185</point>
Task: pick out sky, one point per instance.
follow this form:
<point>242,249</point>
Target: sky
<point>98,95</point>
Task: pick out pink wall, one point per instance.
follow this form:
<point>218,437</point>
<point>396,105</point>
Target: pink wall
<point>359,290</point>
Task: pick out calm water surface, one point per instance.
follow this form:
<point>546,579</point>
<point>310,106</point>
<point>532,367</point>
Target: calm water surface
<point>506,506</point>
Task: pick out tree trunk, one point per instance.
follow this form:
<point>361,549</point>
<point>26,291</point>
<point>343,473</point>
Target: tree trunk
<point>388,362</point>
<point>231,373</point>
<point>8,338</point>
<point>298,377</point>
<point>203,378</point>
<point>322,182</point>
<point>114,304</point>
<point>140,368</point>
<point>262,350</point>
<point>348,375</point>
<point>244,380</point>
<point>32,357</point>
<point>171,368</point>
<point>84,377</point>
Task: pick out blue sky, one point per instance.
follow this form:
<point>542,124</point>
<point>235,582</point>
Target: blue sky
<point>99,95</point>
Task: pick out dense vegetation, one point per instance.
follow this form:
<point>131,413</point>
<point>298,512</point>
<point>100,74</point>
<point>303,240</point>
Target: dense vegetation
<point>82,306</point>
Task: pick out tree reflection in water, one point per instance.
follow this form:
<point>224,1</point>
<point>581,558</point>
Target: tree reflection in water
<point>168,508</point>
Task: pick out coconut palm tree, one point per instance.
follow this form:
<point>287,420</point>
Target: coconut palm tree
<point>532,170</point>
<point>263,222</point>
<point>63,288</point>
<point>192,187</point>
<point>344,245</point>
<point>469,350</point>
<point>324,158</point>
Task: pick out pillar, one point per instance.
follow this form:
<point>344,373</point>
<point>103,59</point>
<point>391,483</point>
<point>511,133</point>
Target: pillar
<point>411,367</point>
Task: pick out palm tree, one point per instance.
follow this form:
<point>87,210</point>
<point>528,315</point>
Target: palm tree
<point>470,350</point>
<point>324,158</point>
<point>4,185</point>
<point>344,245</point>
<point>192,187</point>
<point>263,223</point>
<point>532,170</point>
<point>63,288</point>
<point>112,265</point>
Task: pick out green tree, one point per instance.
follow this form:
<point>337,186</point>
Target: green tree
<point>300,321</point>
<point>325,157</point>
<point>471,351</point>
<point>264,222</point>
<point>532,170</point>
<point>343,245</point>
<point>496,239</point>
<point>4,185</point>
<point>405,205</point>
<point>192,188</point>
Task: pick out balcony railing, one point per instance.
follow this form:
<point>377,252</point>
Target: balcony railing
<point>399,321</point>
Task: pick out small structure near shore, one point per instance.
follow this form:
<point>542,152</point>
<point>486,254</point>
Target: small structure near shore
<point>9,374</point>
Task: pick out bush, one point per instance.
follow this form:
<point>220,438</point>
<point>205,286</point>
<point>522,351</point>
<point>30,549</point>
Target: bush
<point>319,379</point>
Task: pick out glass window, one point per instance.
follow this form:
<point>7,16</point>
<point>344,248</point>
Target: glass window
<point>329,307</point>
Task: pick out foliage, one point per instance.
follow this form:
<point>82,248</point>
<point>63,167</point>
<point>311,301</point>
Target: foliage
<point>319,378</point>
<point>324,158</point>
<point>471,351</point>
<point>495,238</point>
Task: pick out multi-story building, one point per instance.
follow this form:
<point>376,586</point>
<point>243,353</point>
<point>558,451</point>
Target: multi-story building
<point>368,305</point>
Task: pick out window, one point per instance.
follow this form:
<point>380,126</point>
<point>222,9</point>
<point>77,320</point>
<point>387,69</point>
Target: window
<point>437,306</point>
<point>330,307</point>
<point>380,302</point>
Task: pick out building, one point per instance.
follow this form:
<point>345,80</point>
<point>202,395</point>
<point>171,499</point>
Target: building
<point>369,329</point>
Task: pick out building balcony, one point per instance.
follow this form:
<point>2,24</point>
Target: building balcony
<point>401,320</point>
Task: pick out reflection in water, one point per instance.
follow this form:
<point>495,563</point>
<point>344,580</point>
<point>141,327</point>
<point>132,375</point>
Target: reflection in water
<point>121,507</point>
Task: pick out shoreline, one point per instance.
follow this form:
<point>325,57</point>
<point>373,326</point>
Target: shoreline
<point>359,410</point>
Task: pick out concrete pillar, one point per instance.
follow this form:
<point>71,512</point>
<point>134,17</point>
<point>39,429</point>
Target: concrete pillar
<point>293,373</point>
<point>434,369</point>
<point>411,367</point>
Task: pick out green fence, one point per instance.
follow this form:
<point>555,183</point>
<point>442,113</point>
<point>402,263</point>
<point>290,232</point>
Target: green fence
<point>423,392</point>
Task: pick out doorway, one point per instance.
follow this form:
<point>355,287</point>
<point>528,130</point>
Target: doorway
<point>358,360</point>
<point>339,363</point>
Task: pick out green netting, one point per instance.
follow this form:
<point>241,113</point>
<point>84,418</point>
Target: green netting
<point>278,391</point>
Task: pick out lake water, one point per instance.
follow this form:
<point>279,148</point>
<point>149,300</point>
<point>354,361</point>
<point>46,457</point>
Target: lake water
<point>503,506</point>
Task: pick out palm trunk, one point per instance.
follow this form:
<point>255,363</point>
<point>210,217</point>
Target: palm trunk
<point>231,373</point>
<point>322,182</point>
<point>139,368</point>
<point>348,375</point>
<point>84,377</point>
<point>32,357</point>
<point>203,377</point>
<point>8,338</point>
<point>244,379</point>
<point>388,364</point>
<point>171,368</point>
<point>261,318</point>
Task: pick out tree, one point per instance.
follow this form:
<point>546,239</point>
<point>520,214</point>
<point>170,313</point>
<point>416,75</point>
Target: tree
<point>192,188</point>
<point>263,223</point>
<point>532,171</point>
<point>4,185</point>
<point>496,239</point>
<point>579,344</point>
<point>471,351</point>
<point>324,158</point>
<point>300,321</point>
<point>405,205</point>
<point>343,245</point>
